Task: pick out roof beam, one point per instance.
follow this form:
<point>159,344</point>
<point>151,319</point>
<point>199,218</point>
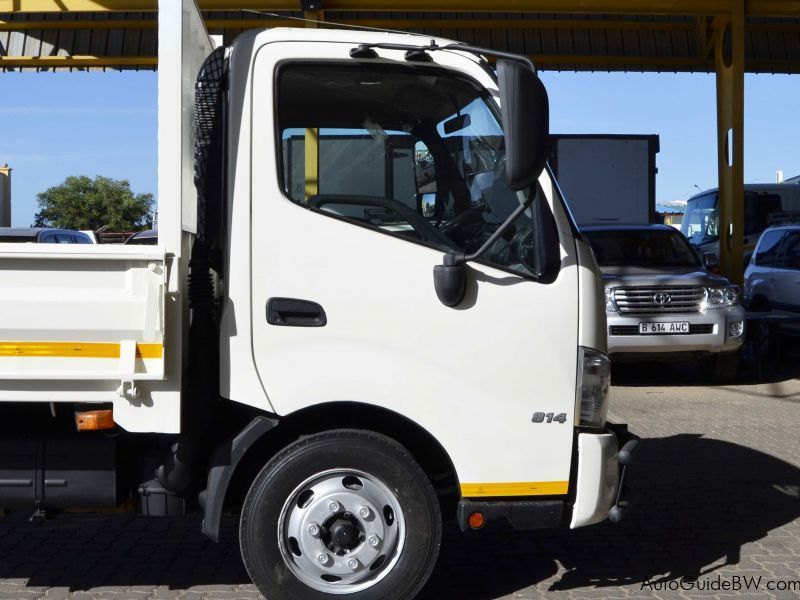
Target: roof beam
<point>493,24</point>
<point>554,61</point>
<point>67,62</point>
<point>775,8</point>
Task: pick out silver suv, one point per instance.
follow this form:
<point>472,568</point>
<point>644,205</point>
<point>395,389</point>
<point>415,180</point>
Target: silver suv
<point>661,300</point>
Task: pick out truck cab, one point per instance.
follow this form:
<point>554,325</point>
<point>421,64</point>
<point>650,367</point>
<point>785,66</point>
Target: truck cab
<point>389,319</point>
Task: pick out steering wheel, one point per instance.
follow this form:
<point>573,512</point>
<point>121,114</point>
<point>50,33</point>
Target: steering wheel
<point>473,212</point>
<point>426,231</point>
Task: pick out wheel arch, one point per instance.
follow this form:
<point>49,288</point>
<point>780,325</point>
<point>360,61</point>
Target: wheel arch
<point>244,456</point>
<point>760,302</point>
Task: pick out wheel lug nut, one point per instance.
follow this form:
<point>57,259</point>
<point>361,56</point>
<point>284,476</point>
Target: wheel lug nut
<point>334,506</point>
<point>363,512</point>
<point>373,540</point>
<point>352,564</point>
<point>322,558</point>
<point>313,530</point>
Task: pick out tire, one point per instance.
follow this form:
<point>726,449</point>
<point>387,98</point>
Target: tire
<point>315,482</point>
<point>724,367</point>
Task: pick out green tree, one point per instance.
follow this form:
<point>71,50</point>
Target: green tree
<point>84,203</point>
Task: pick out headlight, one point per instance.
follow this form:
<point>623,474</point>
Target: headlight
<point>610,307</point>
<point>722,297</point>
<point>594,378</point>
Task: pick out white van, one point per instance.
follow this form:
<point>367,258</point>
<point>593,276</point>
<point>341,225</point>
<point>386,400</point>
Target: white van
<point>701,220</point>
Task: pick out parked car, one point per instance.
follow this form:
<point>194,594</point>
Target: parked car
<point>772,279</point>
<point>661,300</point>
<point>144,238</point>
<point>91,235</point>
<point>42,235</point>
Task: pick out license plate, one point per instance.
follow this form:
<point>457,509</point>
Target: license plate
<point>664,328</point>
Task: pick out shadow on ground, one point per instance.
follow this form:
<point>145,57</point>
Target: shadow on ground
<point>698,501</point>
<point>698,373</point>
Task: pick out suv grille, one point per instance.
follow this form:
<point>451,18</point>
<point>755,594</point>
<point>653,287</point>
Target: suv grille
<point>656,300</point>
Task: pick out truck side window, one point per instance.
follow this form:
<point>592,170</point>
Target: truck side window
<point>413,151</point>
<point>757,209</point>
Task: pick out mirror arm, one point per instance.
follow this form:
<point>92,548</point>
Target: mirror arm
<point>459,258</point>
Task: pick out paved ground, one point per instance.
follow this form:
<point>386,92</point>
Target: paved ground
<point>718,489</point>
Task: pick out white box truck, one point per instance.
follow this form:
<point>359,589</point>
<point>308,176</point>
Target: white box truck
<point>318,355</point>
<point>607,179</point>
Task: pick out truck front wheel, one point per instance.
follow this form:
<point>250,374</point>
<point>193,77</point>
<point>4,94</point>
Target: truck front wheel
<point>343,512</point>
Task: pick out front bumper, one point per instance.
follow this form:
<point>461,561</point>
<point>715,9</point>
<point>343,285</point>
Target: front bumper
<point>709,333</point>
<point>603,459</point>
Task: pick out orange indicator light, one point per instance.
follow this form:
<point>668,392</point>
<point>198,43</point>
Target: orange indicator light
<point>93,420</point>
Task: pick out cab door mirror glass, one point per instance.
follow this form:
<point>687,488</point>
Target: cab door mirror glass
<point>427,203</point>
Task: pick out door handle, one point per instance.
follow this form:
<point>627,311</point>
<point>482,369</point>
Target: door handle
<point>290,312</point>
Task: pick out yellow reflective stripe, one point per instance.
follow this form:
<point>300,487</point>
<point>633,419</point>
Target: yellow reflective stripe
<point>76,349</point>
<point>523,488</point>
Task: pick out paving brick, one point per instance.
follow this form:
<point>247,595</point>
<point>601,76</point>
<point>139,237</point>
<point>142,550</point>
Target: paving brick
<point>716,496</point>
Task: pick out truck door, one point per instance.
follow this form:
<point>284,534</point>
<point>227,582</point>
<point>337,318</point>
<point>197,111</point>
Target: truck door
<point>343,250</point>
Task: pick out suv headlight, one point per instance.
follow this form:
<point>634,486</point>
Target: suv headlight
<point>610,307</point>
<point>594,378</point>
<point>721,297</point>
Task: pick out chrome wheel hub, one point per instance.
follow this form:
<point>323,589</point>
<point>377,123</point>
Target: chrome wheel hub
<point>341,531</point>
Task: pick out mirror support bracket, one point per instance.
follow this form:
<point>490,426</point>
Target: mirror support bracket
<point>450,278</point>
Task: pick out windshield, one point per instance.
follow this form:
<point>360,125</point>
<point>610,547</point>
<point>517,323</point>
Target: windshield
<point>414,151</point>
<point>700,223</point>
<point>641,248</point>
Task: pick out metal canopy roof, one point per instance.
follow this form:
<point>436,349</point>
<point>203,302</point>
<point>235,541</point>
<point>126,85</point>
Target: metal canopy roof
<point>583,35</point>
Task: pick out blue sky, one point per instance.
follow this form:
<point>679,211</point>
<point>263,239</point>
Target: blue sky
<point>56,125</point>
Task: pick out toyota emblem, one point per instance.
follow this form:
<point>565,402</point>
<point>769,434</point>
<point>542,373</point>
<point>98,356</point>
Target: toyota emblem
<point>662,299</point>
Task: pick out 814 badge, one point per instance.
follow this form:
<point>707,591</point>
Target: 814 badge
<point>540,417</point>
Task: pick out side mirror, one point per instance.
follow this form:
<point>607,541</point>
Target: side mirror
<point>526,122</point>
<point>711,262</point>
<point>450,279</point>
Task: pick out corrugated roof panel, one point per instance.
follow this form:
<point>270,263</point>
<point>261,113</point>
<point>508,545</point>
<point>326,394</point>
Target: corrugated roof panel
<point>602,42</point>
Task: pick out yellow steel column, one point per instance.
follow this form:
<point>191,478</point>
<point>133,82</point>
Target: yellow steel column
<point>5,196</point>
<point>728,37</point>
<point>311,149</point>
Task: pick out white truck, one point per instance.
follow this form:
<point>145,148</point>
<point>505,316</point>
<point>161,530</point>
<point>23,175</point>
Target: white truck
<point>321,358</point>
<point>765,205</point>
<point>607,179</point>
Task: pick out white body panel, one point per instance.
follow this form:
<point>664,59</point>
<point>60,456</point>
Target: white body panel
<point>79,321</point>
<point>183,44</point>
<point>471,376</point>
<point>592,319</point>
<point>66,296</point>
<point>598,478</point>
<point>606,180</point>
